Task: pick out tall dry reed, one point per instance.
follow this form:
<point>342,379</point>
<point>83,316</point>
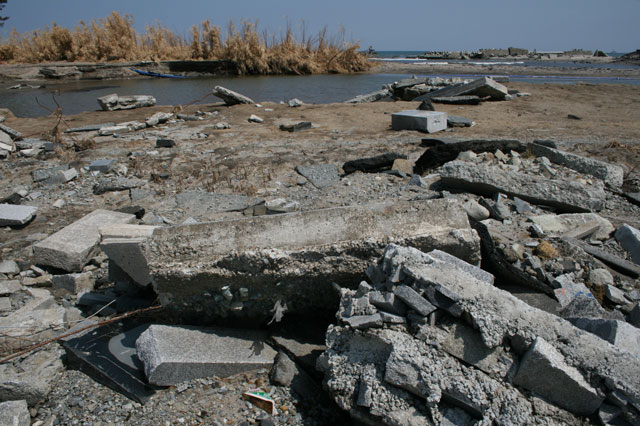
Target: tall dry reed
<point>114,39</point>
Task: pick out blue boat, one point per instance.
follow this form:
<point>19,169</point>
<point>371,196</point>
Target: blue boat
<point>155,74</point>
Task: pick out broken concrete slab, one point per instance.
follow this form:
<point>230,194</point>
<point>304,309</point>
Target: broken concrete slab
<point>103,165</point>
<point>414,300</point>
<point>15,413</point>
<point>296,127</point>
<point>88,128</point>
<point>200,204</point>
<point>11,132</point>
<point>457,121</point>
<point>13,215</point>
<point>114,102</point>
<point>558,225</point>
<point>32,378</point>
<point>9,287</point>
<point>74,283</point>
<point>565,196</point>
<point>544,370</point>
<point>423,121</point>
<point>70,248</point>
<point>230,97</point>
<point>123,245</point>
<point>115,184</point>
<point>482,87</point>
<point>615,262</point>
<point>39,175</point>
<point>320,175</point>
<point>611,174</point>
<point>158,118</point>
<point>446,151</point>
<point>305,250</point>
<point>379,95</point>
<point>629,239</point>
<point>618,333</point>
<point>583,306</point>
<point>174,354</point>
<point>457,100</point>
<point>375,164</point>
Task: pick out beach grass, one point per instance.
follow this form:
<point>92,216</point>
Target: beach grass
<point>114,39</point>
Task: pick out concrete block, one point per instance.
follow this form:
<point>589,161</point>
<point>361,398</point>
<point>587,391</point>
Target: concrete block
<point>103,165</point>
<point>566,196</point>
<point>13,215</point>
<point>609,173</point>
<point>362,322</point>
<point>482,87</point>
<point>413,300</point>
<point>70,248</point>
<point>7,288</point>
<point>230,97</point>
<point>44,174</point>
<point>293,257</point>
<point>615,295</point>
<point>629,239</point>
<point>557,225</point>
<point>544,370</point>
<point>423,121</point>
<point>568,290</point>
<point>618,333</point>
<point>123,245</point>
<point>15,413</point>
<point>387,302</point>
<point>583,306</point>
<point>74,283</point>
<point>9,267</point>
<point>173,354</point>
<point>114,102</point>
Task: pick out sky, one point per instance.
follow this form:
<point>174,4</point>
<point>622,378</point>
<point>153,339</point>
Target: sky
<point>421,25</point>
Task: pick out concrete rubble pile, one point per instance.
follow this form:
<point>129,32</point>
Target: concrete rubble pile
<point>431,340</point>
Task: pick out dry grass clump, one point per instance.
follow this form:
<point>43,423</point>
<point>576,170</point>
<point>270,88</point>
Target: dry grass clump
<point>114,39</point>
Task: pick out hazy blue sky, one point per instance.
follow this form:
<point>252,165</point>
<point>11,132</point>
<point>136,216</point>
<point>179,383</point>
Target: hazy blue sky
<point>385,25</point>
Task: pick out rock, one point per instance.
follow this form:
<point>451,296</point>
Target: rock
<point>544,370</point>
<point>13,215</point>
<point>320,175</point>
<point>475,210</point>
<point>175,354</point>
<point>379,95</point>
<point>158,118</point>
<point>9,267</point>
<point>609,173</point>
<point>482,87</point>
<point>629,239</point>
<point>103,165</point>
<point>569,196</point>
<point>426,105</point>
<point>583,306</point>
<point>9,287</point>
<point>423,121</point>
<point>14,134</point>
<point>440,154</point>
<point>618,333</point>
<point>296,127</point>
<point>74,283</point>
<point>165,143</point>
<point>403,166</point>
<point>88,128</point>
<point>362,322</point>
<point>70,248</point>
<point>566,289</point>
<point>280,205</point>
<point>292,258</point>
<point>123,245</point>
<point>31,379</point>
<point>634,316</point>
<point>613,294</point>
<point>413,300</point>
<point>255,119</point>
<point>114,102</point>
<point>15,413</point>
<point>293,103</point>
<point>387,302</point>
<point>373,164</point>
<point>522,206</point>
<point>629,268</point>
<point>230,97</point>
<point>546,251</point>
<point>557,225</point>
<point>457,121</point>
<point>200,205</point>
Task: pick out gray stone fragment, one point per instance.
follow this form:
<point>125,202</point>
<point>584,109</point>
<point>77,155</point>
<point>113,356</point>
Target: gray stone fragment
<point>362,322</point>
<point>387,302</point>
<point>481,87</point>
<point>615,295</point>
<point>74,283</point>
<point>88,128</point>
<point>123,245</point>
<point>197,203</point>
<point>583,306</point>
<point>44,174</point>
<point>423,121</point>
<point>475,210</point>
<point>634,316</point>
<point>388,318</point>
<point>413,300</point>
<point>566,289</point>
<point>376,96</point>
<point>457,121</point>
<point>70,248</point>
<point>608,413</point>
<point>9,267</point>
<point>114,102</point>
<point>609,173</point>
<point>165,143</point>
<point>230,97</point>
<point>457,100</point>
<point>286,372</point>
<point>7,288</point>
<point>11,132</point>
<point>557,225</point>
<point>444,299</point>
<point>115,184</point>
<point>13,215</point>
<point>31,379</point>
<point>544,370</point>
<point>569,196</point>
<point>320,175</point>
<point>618,333</point>
<point>255,119</point>
<point>15,413</point>
<point>522,206</point>
<point>103,165</point>
<point>173,354</point>
<point>158,118</point>
<point>629,239</point>
<point>601,277</point>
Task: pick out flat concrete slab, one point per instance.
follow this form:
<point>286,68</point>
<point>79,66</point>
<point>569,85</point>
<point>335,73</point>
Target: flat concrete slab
<point>70,248</point>
<point>423,121</point>
<point>13,215</point>
<point>320,175</point>
<point>199,270</point>
<point>173,354</point>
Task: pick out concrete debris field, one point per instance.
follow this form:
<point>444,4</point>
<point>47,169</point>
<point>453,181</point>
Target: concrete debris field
<point>185,258</point>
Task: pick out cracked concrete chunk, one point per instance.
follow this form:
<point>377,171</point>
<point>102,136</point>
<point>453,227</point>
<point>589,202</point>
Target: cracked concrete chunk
<point>567,196</point>
<point>12,215</point>
<point>15,413</point>
<point>320,175</point>
<point>70,248</point>
<point>544,370</point>
<point>175,354</point>
<point>230,97</point>
<point>414,300</point>
<point>557,225</point>
<point>618,333</point>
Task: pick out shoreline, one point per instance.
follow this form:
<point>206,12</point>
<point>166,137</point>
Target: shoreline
<point>74,71</point>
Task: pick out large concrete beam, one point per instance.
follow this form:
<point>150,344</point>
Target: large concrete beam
<point>241,268</point>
